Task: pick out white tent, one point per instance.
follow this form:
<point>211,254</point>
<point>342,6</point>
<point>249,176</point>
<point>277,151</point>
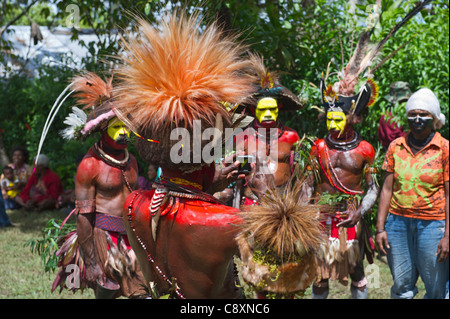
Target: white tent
<point>55,48</point>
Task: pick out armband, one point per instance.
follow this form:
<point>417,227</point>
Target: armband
<point>85,206</point>
<point>371,170</point>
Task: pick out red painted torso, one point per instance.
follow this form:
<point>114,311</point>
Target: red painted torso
<point>251,143</point>
<point>348,165</point>
<point>96,179</point>
<point>194,243</point>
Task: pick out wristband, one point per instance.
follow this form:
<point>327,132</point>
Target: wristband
<point>379,231</point>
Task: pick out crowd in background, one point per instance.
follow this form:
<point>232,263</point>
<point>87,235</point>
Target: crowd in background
<point>37,188</point>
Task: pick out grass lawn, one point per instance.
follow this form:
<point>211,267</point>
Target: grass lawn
<point>22,274</point>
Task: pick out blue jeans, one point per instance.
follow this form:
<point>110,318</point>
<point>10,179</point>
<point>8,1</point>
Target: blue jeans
<point>11,204</point>
<point>413,249</point>
<point>4,218</point>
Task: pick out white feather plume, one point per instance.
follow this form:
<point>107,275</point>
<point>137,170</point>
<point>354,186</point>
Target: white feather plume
<point>75,121</point>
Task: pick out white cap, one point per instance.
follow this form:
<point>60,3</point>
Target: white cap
<point>425,100</point>
<point>42,160</point>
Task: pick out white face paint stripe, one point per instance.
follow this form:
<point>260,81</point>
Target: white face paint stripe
<point>417,117</point>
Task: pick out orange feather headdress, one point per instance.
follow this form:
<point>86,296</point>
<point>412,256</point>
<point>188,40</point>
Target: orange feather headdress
<point>91,90</point>
<point>175,73</point>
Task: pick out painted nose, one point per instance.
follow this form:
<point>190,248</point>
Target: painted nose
<point>268,114</point>
<point>125,132</point>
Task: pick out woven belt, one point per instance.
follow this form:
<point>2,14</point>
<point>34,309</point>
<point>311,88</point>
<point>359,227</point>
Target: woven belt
<point>110,222</point>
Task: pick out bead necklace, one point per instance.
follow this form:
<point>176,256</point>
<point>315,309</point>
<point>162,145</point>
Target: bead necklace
<point>149,256</point>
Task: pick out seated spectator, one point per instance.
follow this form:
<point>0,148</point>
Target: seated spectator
<point>4,218</point>
<point>10,188</point>
<point>42,189</point>
<point>66,201</point>
<point>20,167</point>
<point>19,164</point>
<point>152,174</point>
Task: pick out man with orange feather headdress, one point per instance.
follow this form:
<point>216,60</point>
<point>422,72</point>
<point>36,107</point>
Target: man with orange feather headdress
<point>105,177</point>
<point>175,78</point>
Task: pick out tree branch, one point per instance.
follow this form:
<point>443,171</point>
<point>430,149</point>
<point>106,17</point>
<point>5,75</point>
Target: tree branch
<point>17,17</point>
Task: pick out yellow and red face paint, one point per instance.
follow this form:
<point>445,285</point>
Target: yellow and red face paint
<point>116,128</point>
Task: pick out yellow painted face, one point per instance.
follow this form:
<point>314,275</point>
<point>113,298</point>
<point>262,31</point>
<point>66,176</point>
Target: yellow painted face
<point>266,110</point>
<point>116,128</point>
<point>336,121</point>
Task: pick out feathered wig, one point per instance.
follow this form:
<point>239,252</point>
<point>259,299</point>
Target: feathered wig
<point>343,93</point>
<point>267,84</point>
<point>174,73</point>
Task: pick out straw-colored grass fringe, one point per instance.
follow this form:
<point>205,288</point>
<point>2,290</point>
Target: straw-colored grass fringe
<point>283,224</point>
<point>279,242</point>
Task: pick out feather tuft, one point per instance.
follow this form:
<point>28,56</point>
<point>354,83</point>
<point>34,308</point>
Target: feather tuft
<point>266,80</point>
<point>75,122</point>
<point>375,92</point>
<point>366,53</point>
<point>91,89</point>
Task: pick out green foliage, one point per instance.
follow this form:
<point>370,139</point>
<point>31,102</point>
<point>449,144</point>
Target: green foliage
<point>27,102</point>
<point>47,245</point>
<point>297,39</point>
<point>424,62</point>
<point>41,13</point>
<point>335,198</point>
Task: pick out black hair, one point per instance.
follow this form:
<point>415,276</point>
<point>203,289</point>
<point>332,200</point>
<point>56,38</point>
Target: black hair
<point>7,168</point>
<point>25,153</point>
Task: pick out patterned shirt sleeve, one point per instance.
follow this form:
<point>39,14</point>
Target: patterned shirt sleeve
<point>388,164</point>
